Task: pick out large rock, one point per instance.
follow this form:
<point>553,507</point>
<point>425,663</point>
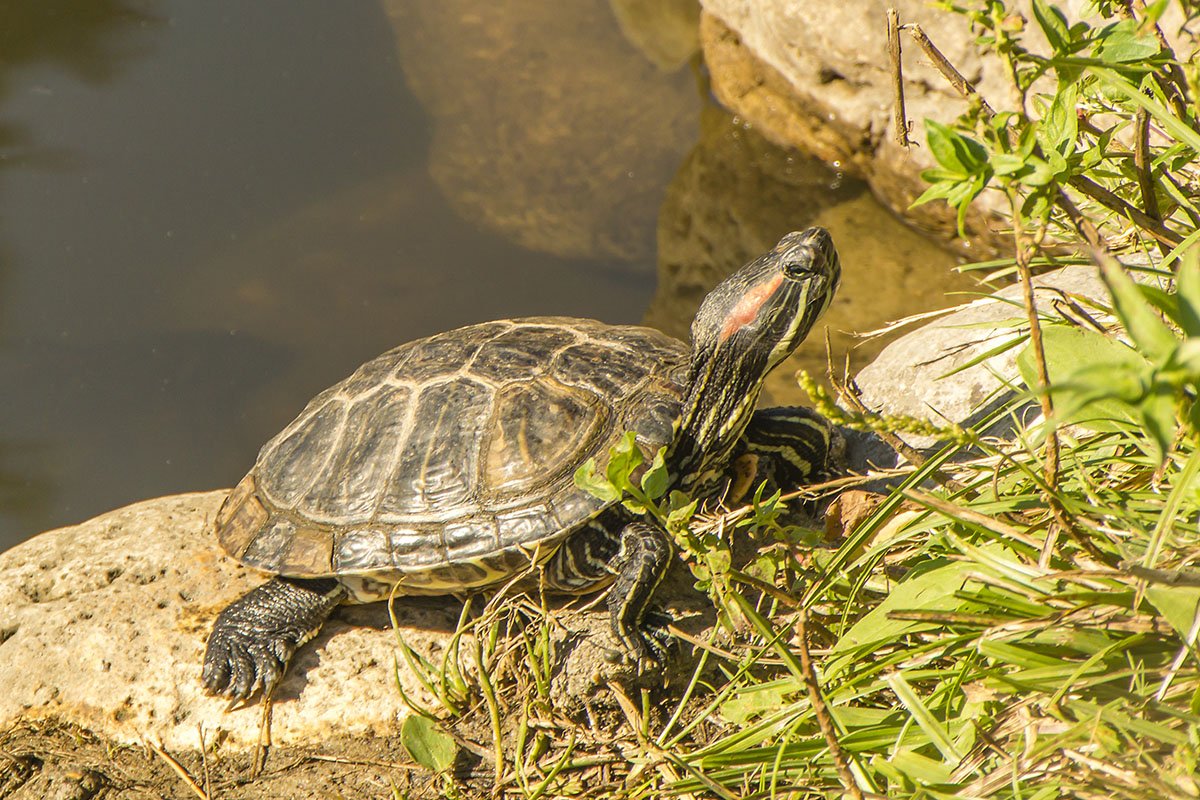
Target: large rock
<point>817,76</point>
<point>104,625</point>
<point>923,374</point>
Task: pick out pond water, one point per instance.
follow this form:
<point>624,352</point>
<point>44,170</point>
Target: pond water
<point>210,211</point>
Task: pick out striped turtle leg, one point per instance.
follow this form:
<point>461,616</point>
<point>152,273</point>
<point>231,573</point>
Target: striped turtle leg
<point>253,639</point>
<point>640,565</point>
<point>786,447</point>
<point>634,556</point>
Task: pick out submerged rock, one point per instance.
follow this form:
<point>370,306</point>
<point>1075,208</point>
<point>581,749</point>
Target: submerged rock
<point>549,126</point>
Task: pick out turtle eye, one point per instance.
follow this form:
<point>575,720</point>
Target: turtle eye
<point>801,262</point>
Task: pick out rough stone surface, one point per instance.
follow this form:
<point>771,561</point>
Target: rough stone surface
<point>907,377</point>
<point>549,127</point>
<point>104,625</point>
<point>817,76</point>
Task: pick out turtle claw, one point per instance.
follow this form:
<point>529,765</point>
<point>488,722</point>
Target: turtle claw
<point>253,639</point>
<point>648,647</point>
<point>238,666</point>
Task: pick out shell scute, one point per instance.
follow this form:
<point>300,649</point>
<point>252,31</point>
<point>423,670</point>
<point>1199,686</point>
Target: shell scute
<point>363,458</point>
<point>361,551</point>
<point>538,431</point>
<point>436,472</point>
<point>519,354</point>
<point>301,451</point>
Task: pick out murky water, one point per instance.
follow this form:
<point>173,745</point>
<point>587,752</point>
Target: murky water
<point>210,211</point>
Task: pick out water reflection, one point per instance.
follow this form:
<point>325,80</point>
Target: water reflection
<point>88,39</point>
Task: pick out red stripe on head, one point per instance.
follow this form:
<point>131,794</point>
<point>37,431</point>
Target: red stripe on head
<point>746,310</point>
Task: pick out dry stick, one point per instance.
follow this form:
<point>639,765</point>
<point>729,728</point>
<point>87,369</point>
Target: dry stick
<point>851,396</point>
<point>1141,160</point>
<point>1112,202</point>
<point>1083,225</point>
<point>263,748</point>
<point>659,758</point>
<point>900,118</point>
<point>822,712</point>
<point>1024,254</point>
<point>179,770</point>
<point>204,762</point>
<point>947,69</point>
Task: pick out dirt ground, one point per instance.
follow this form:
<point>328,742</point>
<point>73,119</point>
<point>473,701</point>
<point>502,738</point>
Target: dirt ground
<point>52,761</point>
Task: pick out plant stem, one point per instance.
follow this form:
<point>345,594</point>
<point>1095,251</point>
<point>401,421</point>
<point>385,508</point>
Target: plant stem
<point>822,712</point>
<point>899,119</point>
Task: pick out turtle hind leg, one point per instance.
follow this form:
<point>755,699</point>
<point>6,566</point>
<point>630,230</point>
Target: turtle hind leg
<point>253,639</point>
<point>784,448</point>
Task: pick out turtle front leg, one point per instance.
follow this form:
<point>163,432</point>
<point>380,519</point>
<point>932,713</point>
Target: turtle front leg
<point>640,564</point>
<point>253,639</point>
<point>634,556</point>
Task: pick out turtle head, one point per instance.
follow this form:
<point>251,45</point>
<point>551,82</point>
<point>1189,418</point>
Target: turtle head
<point>746,326</point>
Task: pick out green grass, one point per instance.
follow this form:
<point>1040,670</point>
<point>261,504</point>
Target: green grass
<point>956,654</point>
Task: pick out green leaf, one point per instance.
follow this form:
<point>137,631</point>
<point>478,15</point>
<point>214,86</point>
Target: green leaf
<point>1179,604</point>
<point>958,154</point>
<point>682,509</point>
<point>1174,126</point>
<point>656,478</point>
<point>760,699</point>
<point>922,770</point>
<point>1122,44</point>
<point>624,457</point>
<point>590,481</point>
<point>932,590</point>
<point>1148,332</point>
<point>428,745</point>
<point>1157,415</point>
<point>1005,164</point>
<point>1094,379</point>
<point>1061,124</point>
<point>1053,24</point>
<point>1187,291</point>
<point>1040,173</point>
<point>938,191</point>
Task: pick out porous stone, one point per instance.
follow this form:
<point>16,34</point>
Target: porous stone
<point>817,76</point>
<point>103,625</point>
<point>922,373</point>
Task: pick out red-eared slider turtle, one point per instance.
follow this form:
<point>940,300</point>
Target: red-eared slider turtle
<point>447,463</point>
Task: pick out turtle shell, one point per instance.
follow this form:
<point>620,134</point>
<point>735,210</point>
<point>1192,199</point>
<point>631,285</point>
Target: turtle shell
<point>449,462</point>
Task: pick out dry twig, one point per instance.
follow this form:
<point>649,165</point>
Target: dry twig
<point>822,713</point>
<point>900,118</point>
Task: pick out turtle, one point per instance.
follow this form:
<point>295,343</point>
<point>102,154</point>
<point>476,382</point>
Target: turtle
<point>447,465</point>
